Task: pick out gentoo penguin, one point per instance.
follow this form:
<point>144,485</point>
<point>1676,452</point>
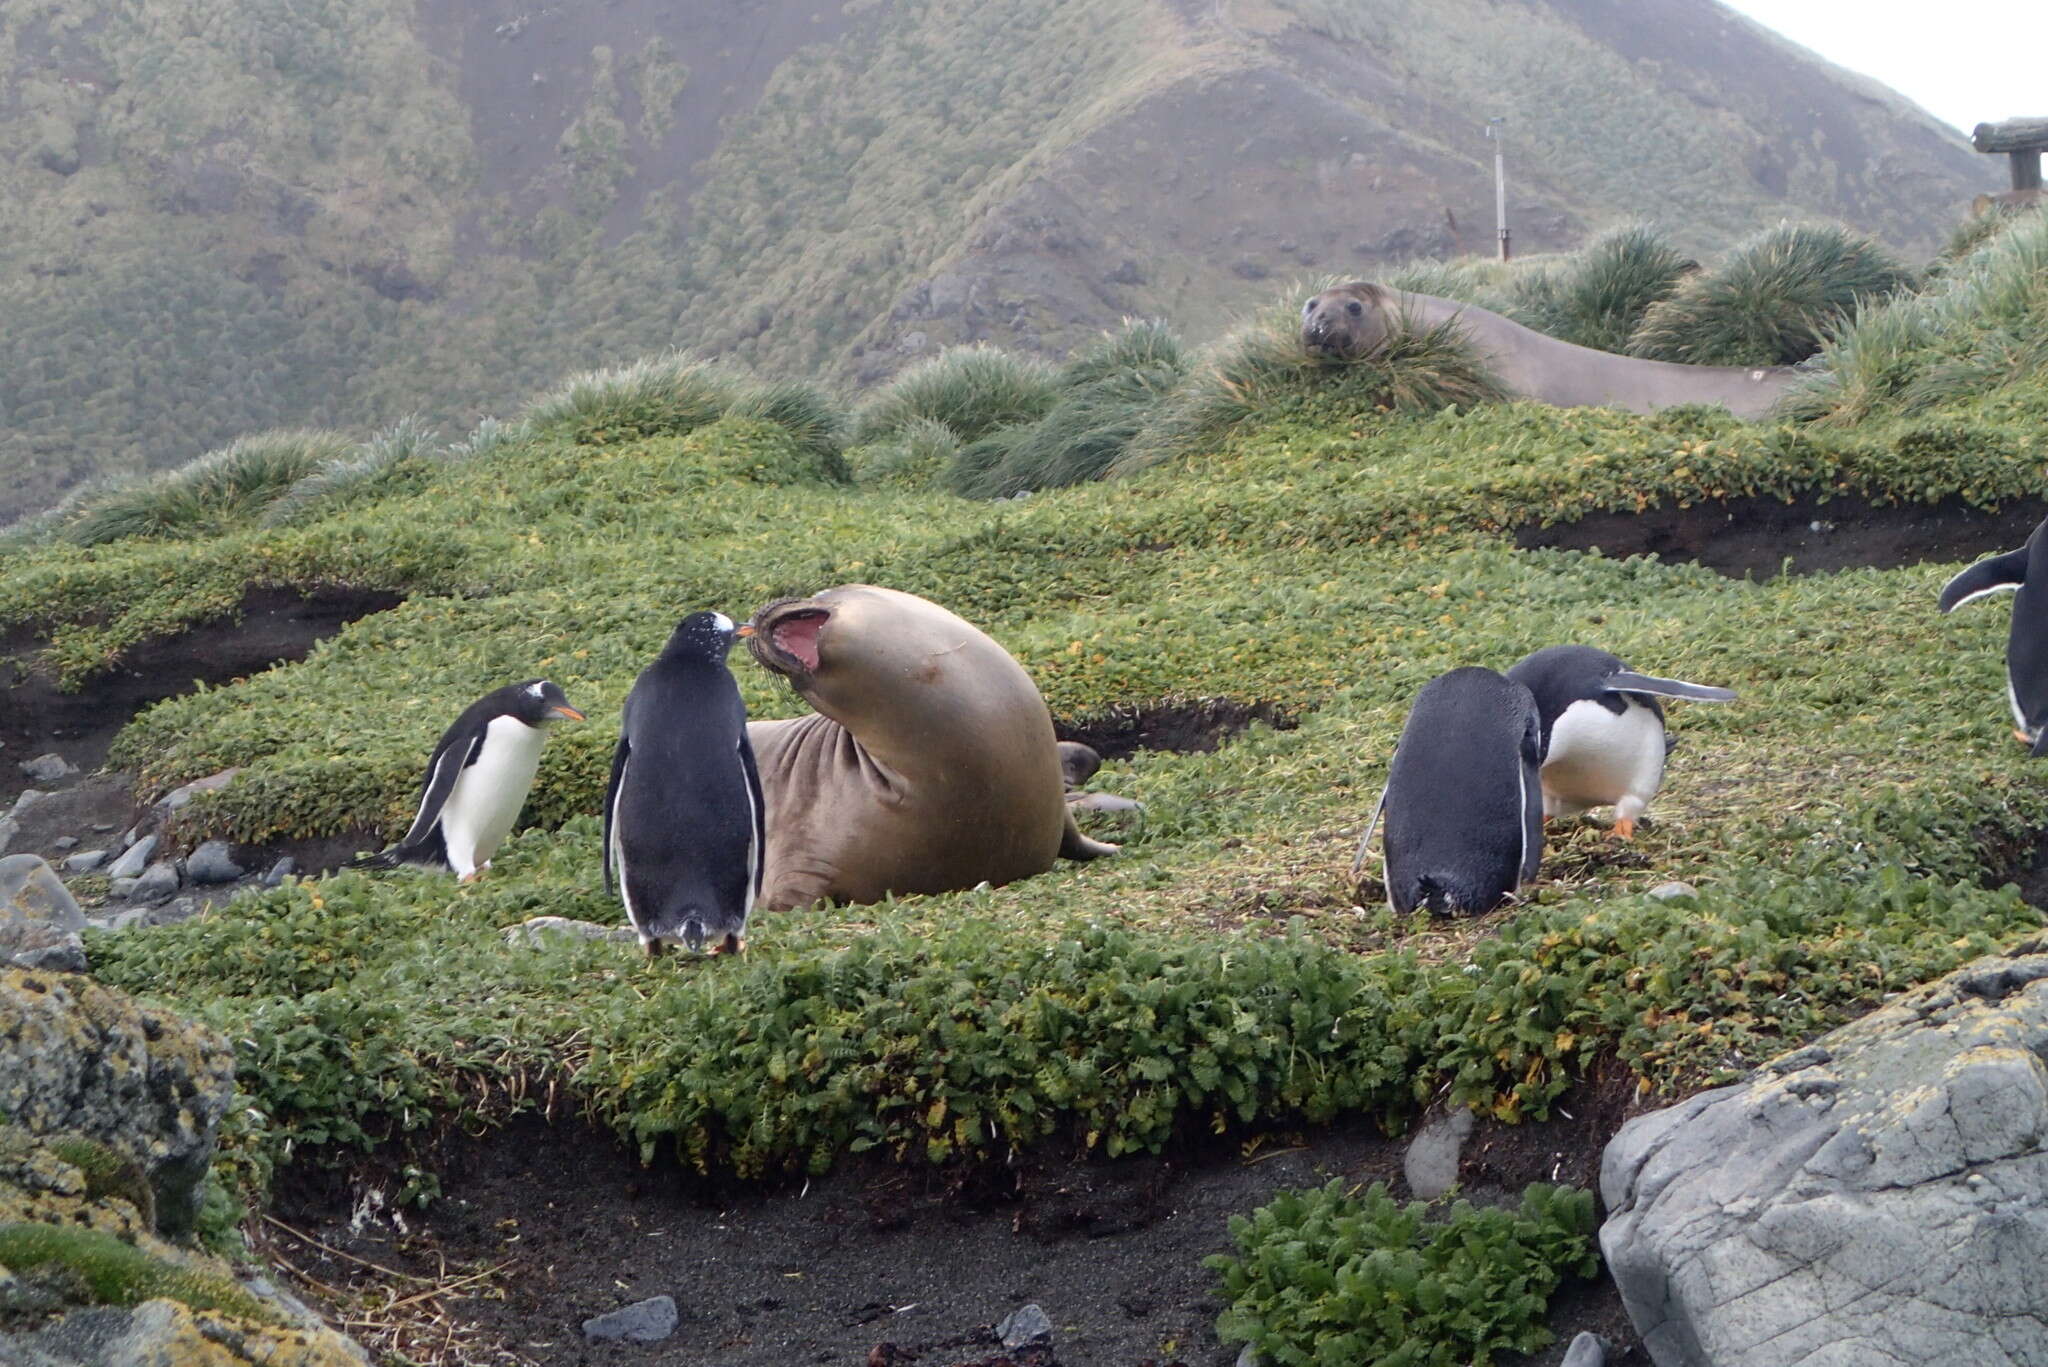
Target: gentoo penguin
<point>1463,811</point>
<point>684,829</point>
<point>1603,731</point>
<point>2026,648</point>
<point>476,781</point>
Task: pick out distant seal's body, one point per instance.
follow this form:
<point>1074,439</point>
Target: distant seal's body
<point>1352,320</point>
<point>1603,730</point>
<point>2026,644</point>
<point>930,764</point>
<point>683,814</point>
<point>1463,807</point>
<point>477,779</point>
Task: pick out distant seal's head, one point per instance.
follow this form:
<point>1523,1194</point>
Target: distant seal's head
<point>1346,322</point>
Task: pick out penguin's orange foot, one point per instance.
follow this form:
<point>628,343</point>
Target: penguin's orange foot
<point>472,876</point>
<point>1624,829</point>
<point>2022,737</point>
<point>731,944</point>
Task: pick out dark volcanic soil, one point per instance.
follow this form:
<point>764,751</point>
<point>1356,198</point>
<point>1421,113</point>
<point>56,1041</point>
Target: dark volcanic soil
<point>1757,537</point>
<point>1183,725</point>
<point>926,1260</point>
<point>271,626</point>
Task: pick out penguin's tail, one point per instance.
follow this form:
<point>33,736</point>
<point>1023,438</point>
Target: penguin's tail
<point>693,934</point>
<point>382,859</point>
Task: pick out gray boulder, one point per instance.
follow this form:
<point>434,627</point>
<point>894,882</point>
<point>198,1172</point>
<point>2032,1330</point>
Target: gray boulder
<point>80,1057</point>
<point>157,885</point>
<point>179,798</point>
<point>648,1321</point>
<point>1431,1163</point>
<point>1587,1350</point>
<point>9,828</point>
<point>85,861</point>
<point>50,768</point>
<point>213,862</point>
<point>281,870</point>
<point>1878,1198</point>
<point>134,859</point>
<point>1024,1326</point>
<point>39,920</point>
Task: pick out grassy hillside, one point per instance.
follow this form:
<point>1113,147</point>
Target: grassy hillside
<point>226,215</point>
<point>1843,824</point>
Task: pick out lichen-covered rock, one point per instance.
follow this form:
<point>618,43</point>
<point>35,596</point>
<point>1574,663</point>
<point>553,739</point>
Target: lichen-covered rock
<point>79,1057</point>
<point>39,920</point>
<point>164,1333</point>
<point>1878,1198</point>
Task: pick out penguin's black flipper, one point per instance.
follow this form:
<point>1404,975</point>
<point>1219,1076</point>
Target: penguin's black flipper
<point>1996,575</point>
<point>611,802</point>
<point>757,809</point>
<point>449,761</point>
<point>1628,681</point>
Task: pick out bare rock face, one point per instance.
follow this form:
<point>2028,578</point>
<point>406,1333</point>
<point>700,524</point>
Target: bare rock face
<point>81,1058</point>
<point>1878,1198</point>
<point>39,920</point>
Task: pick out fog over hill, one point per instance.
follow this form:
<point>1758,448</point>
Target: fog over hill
<point>223,215</point>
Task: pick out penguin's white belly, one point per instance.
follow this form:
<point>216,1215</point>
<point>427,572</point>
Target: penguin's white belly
<point>1597,759</point>
<point>487,797</point>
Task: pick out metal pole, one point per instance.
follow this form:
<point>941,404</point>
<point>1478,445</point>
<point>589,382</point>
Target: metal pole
<point>1497,130</point>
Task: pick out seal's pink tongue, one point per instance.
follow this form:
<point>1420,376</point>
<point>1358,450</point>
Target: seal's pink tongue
<point>799,637</point>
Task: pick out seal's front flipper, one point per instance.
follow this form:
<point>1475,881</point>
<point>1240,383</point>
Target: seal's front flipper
<point>1074,845</point>
<point>1996,575</point>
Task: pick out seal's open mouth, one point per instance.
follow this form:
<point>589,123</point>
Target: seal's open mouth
<point>785,636</point>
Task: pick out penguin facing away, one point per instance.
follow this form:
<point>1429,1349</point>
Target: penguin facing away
<point>2026,647</point>
<point>1462,806</point>
<point>477,780</point>
<point>684,822</point>
<point>1603,730</point>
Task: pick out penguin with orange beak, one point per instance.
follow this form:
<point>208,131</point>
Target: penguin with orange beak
<point>477,779</point>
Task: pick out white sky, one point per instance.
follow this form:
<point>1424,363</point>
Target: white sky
<point>1965,62</point>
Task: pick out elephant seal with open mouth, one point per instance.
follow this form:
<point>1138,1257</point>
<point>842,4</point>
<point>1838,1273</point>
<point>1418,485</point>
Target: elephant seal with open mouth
<point>929,765</point>
<point>1352,321</point>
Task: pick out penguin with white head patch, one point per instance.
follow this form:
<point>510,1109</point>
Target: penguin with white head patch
<point>684,822</point>
<point>478,778</point>
<point>1463,810</point>
<point>2026,647</point>
<point>1603,730</point>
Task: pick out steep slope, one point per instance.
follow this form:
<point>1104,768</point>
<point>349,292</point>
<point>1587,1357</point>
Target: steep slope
<point>220,215</point>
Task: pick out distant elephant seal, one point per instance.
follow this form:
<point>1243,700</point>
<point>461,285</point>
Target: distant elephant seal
<point>1352,321</point>
<point>929,765</point>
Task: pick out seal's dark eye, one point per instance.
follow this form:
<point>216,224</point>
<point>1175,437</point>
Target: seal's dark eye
<point>1353,308</point>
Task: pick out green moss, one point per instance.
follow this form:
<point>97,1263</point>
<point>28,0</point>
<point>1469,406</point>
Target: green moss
<point>94,1268</point>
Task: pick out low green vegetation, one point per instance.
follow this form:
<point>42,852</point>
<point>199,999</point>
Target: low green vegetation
<point>93,1267</point>
<point>1315,540</point>
<point>1335,1277</point>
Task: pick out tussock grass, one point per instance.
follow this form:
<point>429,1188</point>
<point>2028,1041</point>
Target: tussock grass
<point>914,456</point>
<point>1107,394</point>
<point>1262,367</point>
<point>394,460</point>
<point>1978,328</point>
<point>214,493</point>
<point>1598,296</point>
<point>1772,300</point>
<point>971,389</point>
<point>671,395</point>
<point>815,418</point>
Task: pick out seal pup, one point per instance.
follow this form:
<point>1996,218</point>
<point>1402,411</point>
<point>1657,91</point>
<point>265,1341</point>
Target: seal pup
<point>929,765</point>
<point>1352,320</point>
<point>477,780</point>
<point>1462,805</point>
<point>683,812</point>
<point>1603,730</point>
<point>2026,646</point>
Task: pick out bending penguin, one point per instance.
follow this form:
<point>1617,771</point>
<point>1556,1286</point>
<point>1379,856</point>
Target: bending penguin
<point>1463,810</point>
<point>684,830</point>
<point>1603,730</point>
<point>477,780</point>
<point>2026,647</point>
